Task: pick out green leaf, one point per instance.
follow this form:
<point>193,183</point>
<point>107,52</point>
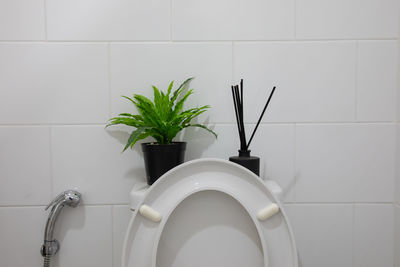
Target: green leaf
<point>126,121</point>
<point>186,116</point>
<point>125,114</point>
<point>162,117</point>
<point>130,99</point>
<point>134,137</point>
<point>157,96</point>
<point>185,83</point>
<point>177,92</point>
<point>203,127</point>
<point>148,111</point>
<point>170,88</point>
<point>172,132</point>
<point>179,105</point>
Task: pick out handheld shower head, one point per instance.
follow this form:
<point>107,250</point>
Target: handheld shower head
<point>70,198</point>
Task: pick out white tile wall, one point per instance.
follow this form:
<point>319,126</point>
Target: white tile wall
<point>328,137</point>
<point>135,66</point>
<point>21,231</point>
<point>315,80</point>
<point>85,235</point>
<point>89,159</point>
<point>22,20</point>
<point>346,19</point>
<point>121,217</point>
<point>321,230</point>
<point>53,83</point>
<point>376,80</point>
<point>324,234</point>
<point>24,165</point>
<point>373,247</point>
<point>233,20</point>
<point>108,20</point>
<point>195,20</point>
<point>345,162</point>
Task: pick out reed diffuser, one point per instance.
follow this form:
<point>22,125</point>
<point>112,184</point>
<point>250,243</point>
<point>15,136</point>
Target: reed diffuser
<point>250,162</point>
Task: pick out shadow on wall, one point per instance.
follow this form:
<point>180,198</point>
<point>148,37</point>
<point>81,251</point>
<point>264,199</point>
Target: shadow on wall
<point>198,140</point>
<point>70,219</point>
<point>122,135</point>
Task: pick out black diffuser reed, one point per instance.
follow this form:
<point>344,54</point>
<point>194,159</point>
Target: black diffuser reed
<point>250,162</point>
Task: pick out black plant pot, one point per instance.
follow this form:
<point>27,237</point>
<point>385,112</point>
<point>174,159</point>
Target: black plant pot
<point>158,159</point>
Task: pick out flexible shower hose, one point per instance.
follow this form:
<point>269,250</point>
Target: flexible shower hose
<point>46,261</point>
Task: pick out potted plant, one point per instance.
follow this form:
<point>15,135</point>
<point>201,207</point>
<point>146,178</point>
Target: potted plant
<point>163,118</point>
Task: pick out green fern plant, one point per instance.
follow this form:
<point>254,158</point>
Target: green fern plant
<point>163,118</point>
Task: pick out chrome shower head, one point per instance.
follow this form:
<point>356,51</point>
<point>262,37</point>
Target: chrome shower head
<point>50,245</point>
<point>70,198</point>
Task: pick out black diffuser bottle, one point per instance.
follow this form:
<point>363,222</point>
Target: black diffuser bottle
<point>250,162</point>
<point>245,159</point>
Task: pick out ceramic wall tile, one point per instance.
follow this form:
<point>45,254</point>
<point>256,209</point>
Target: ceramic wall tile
<point>25,177</point>
<point>85,234</point>
<point>90,159</point>
<point>233,20</point>
<point>135,67</point>
<point>324,234</point>
<point>21,231</point>
<point>345,162</point>
<point>121,216</point>
<point>346,19</point>
<point>53,83</point>
<point>315,80</point>
<point>373,235</point>
<point>376,80</point>
<point>22,20</point>
<point>108,20</point>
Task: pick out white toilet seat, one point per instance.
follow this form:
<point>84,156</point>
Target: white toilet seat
<point>143,235</point>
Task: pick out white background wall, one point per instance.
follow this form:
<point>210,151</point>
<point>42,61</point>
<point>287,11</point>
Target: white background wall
<point>329,137</point>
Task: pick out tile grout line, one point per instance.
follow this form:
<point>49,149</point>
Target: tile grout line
<point>356,115</point>
<point>45,19</point>
<point>295,162</point>
<point>336,203</point>
<point>201,41</point>
<point>285,203</point>
<point>51,163</point>
<point>397,92</point>
<point>112,235</point>
<point>396,155</point>
<point>394,234</point>
<point>171,5</point>
<point>109,77</point>
<point>233,62</point>
<point>295,19</point>
<point>353,235</point>
<point>321,123</point>
<point>81,205</point>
